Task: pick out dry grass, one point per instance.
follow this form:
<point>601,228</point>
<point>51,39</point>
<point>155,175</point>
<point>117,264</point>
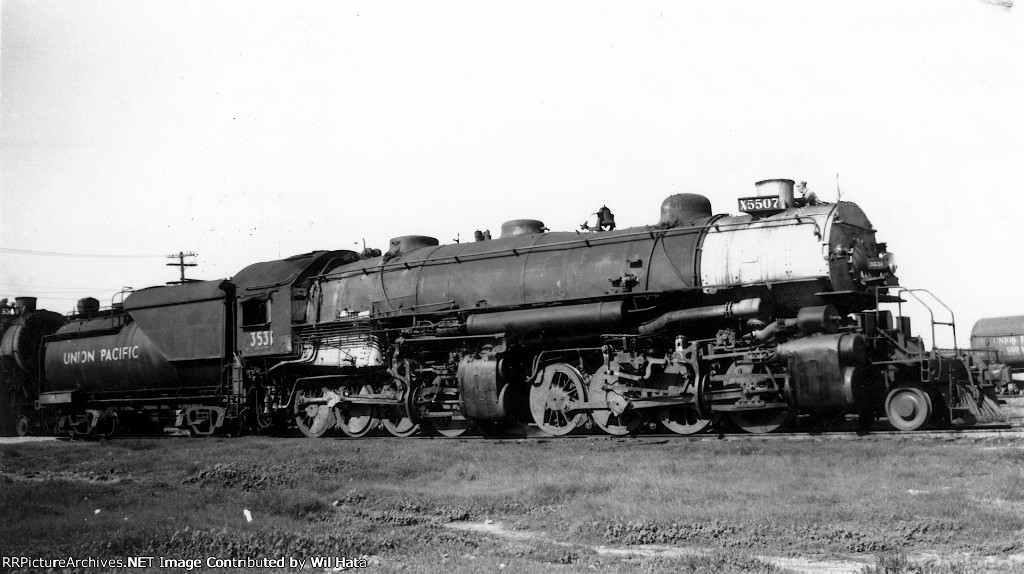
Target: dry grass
<point>391,498</point>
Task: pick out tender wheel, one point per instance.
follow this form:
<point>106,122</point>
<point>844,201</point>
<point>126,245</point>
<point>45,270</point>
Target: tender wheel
<point>451,428</point>
<point>560,385</point>
<point>21,426</point>
<point>399,425</point>
<point>356,420</point>
<point>684,420</point>
<point>908,408</point>
<point>312,412</point>
<point>760,422</point>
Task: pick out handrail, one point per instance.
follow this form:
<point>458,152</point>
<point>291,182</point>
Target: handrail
<point>931,313</point>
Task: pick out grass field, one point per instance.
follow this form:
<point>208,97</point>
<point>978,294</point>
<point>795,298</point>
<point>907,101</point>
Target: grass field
<point>582,504</point>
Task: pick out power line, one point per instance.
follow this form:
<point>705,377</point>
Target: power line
<point>48,287</point>
<point>63,254</point>
<point>41,292</point>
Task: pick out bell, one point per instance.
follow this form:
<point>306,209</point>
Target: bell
<point>605,219</point>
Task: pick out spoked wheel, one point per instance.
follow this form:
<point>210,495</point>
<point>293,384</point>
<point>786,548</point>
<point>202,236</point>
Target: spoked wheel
<point>312,411</point>
<point>628,419</point>
<point>450,427</point>
<point>908,408</point>
<point>560,385</point>
<point>757,421</point>
<point>684,420</point>
<point>398,424</point>
<point>21,426</point>
<point>356,420</point>
<point>760,422</point>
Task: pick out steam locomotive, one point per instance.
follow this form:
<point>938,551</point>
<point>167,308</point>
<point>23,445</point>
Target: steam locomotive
<point>758,318</point>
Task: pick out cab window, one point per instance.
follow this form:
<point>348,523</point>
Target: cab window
<point>256,312</point>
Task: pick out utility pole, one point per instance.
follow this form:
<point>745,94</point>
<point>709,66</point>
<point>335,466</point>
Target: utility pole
<point>180,256</point>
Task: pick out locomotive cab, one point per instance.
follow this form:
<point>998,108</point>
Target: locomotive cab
<point>273,298</point>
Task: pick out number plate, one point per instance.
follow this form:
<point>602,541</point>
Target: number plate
<point>757,204</point>
<point>258,339</point>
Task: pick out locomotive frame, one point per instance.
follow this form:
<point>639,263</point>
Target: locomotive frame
<point>755,318</point>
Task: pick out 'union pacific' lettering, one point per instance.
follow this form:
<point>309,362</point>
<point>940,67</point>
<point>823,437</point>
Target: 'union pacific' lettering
<point>112,354</point>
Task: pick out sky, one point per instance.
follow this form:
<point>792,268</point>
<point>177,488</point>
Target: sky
<point>247,131</point>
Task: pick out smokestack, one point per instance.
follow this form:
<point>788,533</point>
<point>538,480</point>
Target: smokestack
<point>25,305</point>
<point>780,187</point>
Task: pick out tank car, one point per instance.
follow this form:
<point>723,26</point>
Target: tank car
<point>22,329</point>
<point>998,343</point>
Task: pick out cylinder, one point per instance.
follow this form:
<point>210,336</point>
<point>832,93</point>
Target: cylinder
<point>591,315</point>
<point>825,370</point>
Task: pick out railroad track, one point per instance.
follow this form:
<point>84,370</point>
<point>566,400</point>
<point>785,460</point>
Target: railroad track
<point>1013,429</point>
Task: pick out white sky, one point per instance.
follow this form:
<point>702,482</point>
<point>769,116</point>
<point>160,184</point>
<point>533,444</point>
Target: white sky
<point>248,131</point>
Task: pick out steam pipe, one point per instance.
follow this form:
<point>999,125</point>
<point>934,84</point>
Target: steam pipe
<point>743,309</point>
<point>591,315</point>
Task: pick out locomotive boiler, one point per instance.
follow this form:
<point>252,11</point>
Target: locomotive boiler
<point>22,328</point>
<point>758,317</point>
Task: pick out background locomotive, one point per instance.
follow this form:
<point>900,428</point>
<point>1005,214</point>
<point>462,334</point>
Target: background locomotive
<point>757,317</point>
<point>22,329</point>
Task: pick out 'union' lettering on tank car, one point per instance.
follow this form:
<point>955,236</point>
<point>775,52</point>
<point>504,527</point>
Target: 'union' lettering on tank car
<point>79,357</point>
<point>1011,345</point>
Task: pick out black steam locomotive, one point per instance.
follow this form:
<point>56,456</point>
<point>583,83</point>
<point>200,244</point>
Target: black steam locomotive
<point>758,317</point>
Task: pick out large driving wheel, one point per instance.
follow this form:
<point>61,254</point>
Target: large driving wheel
<point>398,424</point>
<point>684,419</point>
<point>626,421</point>
<point>757,421</point>
<point>356,420</point>
<point>450,427</point>
<point>908,408</point>
<point>313,411</point>
<point>560,386</point>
